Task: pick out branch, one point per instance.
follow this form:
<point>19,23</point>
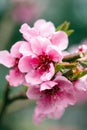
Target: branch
<point>5,101</point>
<point>19,96</point>
<point>71,57</point>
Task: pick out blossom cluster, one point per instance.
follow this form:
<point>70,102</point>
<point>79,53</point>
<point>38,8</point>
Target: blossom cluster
<point>33,62</point>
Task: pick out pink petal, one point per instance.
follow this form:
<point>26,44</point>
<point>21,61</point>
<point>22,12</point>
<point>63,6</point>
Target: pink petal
<point>33,92</point>
<point>54,53</point>
<point>45,28</point>
<point>60,39</point>
<point>25,49</point>
<point>39,45</point>
<point>25,31</point>
<point>81,84</point>
<point>57,112</point>
<point>47,85</point>
<point>15,78</point>
<point>48,74</point>
<point>25,64</point>
<point>28,32</point>
<point>64,83</point>
<point>68,98</point>
<point>6,59</point>
<point>15,49</point>
<point>38,116</point>
<point>33,77</point>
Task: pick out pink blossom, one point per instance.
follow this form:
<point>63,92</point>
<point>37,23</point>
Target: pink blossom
<point>43,50</point>
<point>82,48</point>
<point>81,84</point>
<point>25,13</point>
<point>15,77</point>
<point>41,27</point>
<point>80,87</point>
<point>6,59</point>
<point>52,98</point>
<point>38,60</point>
<point>10,60</point>
<point>45,29</point>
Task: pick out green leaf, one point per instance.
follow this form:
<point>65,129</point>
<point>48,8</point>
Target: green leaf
<point>25,88</point>
<point>83,63</point>
<point>69,32</point>
<point>61,66</point>
<point>81,74</point>
<point>65,27</point>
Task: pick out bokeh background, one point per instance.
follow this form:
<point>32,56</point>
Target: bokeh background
<point>12,14</point>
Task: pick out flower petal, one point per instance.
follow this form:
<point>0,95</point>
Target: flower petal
<point>81,84</point>
<point>60,39</point>
<point>28,32</point>
<point>33,77</point>
<point>25,49</point>
<point>25,31</point>
<point>15,49</point>
<point>47,85</point>
<point>6,59</point>
<point>48,74</point>
<point>15,77</point>
<point>33,92</point>
<point>44,28</point>
<point>54,53</point>
<point>39,45</point>
<point>25,64</point>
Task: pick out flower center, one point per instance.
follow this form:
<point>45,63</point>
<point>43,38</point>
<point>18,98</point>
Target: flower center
<point>52,91</point>
<point>44,61</point>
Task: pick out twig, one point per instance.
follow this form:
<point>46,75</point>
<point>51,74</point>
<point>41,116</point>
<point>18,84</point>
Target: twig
<point>19,96</point>
<point>71,57</point>
<point>5,101</point>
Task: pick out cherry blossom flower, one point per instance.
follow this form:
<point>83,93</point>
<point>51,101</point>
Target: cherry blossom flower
<point>44,49</point>
<point>52,97</point>
<point>35,58</point>
<point>10,60</point>
<point>80,87</point>
<point>41,63</point>
<point>81,84</point>
<point>45,29</point>
<point>82,48</point>
<point>26,11</point>
<point>38,60</point>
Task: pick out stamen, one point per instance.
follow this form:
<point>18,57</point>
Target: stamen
<point>44,62</point>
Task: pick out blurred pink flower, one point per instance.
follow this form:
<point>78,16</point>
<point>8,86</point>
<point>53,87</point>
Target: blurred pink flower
<point>52,98</point>
<point>26,11</point>
<point>81,47</point>
<point>80,86</point>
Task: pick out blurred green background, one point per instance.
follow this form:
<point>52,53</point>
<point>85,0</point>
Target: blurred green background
<point>12,14</point>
